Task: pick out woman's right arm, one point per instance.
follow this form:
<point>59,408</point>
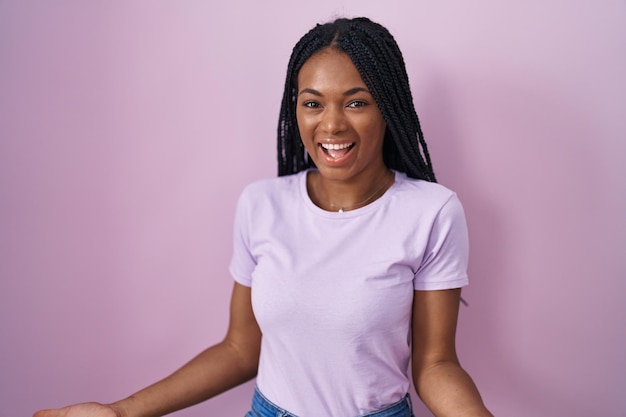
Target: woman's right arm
<point>217,369</point>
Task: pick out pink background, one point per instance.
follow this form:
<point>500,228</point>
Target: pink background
<point>128,129</point>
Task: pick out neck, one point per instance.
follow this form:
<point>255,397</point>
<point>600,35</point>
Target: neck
<point>341,196</point>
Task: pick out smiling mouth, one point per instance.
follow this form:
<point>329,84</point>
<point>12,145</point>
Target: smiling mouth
<point>336,150</point>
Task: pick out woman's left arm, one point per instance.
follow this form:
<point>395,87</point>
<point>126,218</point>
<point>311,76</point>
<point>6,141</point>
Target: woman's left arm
<point>444,387</point>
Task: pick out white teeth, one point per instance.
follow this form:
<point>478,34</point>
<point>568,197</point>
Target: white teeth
<point>336,146</point>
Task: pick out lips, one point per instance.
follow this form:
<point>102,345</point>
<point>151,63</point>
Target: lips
<point>336,150</point>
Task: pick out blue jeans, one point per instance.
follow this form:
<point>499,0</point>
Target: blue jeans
<point>262,407</point>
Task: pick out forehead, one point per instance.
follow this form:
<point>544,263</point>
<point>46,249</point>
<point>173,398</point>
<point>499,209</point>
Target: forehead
<point>327,69</point>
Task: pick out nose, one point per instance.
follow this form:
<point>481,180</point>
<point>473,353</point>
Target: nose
<point>333,120</point>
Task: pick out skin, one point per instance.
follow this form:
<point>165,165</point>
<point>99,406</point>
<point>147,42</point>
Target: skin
<point>440,381</point>
<point>334,106</point>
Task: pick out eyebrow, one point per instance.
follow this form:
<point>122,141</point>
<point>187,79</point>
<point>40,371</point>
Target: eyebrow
<point>345,94</point>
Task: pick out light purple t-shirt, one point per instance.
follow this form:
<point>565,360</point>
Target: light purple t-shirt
<point>333,292</point>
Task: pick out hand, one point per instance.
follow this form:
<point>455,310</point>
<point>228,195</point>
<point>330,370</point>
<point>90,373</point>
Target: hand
<point>81,410</point>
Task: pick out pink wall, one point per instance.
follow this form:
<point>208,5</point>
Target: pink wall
<point>127,130</point>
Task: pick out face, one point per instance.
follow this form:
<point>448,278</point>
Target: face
<point>339,121</point>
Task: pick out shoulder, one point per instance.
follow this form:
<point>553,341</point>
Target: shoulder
<point>423,195</point>
<point>271,189</point>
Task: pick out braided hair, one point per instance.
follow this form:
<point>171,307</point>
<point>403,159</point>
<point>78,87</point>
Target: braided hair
<point>376,55</point>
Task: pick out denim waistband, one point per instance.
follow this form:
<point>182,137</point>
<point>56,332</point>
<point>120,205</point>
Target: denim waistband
<point>262,407</point>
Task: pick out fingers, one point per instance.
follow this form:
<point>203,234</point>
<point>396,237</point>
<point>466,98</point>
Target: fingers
<point>59,412</point>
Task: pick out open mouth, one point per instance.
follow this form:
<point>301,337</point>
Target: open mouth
<point>336,150</point>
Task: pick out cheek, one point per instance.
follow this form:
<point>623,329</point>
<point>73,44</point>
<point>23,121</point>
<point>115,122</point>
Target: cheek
<point>381,127</point>
<point>304,127</point>
<point>374,130</point>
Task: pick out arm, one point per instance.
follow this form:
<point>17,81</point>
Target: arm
<point>441,383</point>
<point>217,369</point>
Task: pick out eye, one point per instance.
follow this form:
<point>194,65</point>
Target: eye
<point>311,104</point>
<point>357,103</point>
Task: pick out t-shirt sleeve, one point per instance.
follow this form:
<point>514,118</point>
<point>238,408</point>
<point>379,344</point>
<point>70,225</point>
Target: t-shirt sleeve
<point>444,265</point>
<point>242,262</point>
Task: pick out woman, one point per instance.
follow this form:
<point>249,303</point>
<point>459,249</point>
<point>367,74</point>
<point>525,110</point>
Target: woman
<point>348,265</point>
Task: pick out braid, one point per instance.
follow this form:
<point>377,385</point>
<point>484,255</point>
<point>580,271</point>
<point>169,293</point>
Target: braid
<point>292,156</point>
<point>376,55</point>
